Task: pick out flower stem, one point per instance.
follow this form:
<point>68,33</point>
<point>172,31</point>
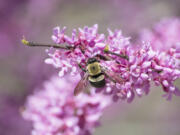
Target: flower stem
<point>33,44</point>
<point>119,55</point>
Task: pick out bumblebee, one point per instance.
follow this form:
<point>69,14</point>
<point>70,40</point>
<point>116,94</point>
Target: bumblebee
<point>96,75</point>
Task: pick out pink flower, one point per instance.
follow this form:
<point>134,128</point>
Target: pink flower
<point>54,110</point>
<point>164,35</point>
<point>87,43</point>
<point>134,72</point>
<point>167,73</point>
<point>129,70</point>
<point>144,65</point>
<point>116,40</point>
<point>165,40</point>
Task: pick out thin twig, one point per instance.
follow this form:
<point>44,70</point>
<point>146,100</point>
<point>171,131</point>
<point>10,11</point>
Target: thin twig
<point>119,55</point>
<point>33,44</point>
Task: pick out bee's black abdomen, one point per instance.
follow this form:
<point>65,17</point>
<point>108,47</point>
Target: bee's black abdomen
<point>98,84</point>
<point>98,80</point>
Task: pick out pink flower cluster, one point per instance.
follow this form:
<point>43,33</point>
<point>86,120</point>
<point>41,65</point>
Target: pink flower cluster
<point>137,69</point>
<point>164,35</point>
<point>54,110</point>
<point>87,43</point>
<point>144,66</point>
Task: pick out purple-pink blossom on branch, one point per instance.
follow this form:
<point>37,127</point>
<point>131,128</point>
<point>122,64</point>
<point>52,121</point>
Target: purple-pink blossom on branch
<point>164,35</point>
<point>135,67</point>
<point>54,110</point>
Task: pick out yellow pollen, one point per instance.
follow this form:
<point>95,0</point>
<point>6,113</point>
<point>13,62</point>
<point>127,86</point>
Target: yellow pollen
<point>24,41</point>
<point>106,49</point>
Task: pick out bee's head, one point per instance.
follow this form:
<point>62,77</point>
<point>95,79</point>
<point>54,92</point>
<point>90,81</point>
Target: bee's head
<point>92,60</point>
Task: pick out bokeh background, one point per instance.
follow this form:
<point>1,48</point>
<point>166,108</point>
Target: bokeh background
<point>22,69</point>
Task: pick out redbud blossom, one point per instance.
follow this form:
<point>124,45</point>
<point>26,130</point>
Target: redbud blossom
<point>144,66</point>
<point>164,35</point>
<point>54,110</point>
<point>136,67</point>
<point>87,43</point>
<point>165,40</point>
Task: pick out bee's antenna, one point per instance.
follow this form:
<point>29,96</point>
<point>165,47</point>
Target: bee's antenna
<point>33,44</point>
<point>106,50</point>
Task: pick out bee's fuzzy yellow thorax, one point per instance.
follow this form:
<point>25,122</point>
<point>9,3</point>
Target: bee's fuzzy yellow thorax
<point>94,68</point>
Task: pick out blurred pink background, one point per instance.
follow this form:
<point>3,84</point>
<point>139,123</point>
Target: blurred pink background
<point>23,68</point>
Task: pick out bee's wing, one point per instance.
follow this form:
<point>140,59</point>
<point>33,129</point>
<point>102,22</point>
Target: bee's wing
<point>112,76</point>
<point>82,84</point>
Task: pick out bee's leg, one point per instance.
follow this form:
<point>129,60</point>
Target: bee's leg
<point>81,67</point>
